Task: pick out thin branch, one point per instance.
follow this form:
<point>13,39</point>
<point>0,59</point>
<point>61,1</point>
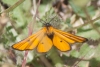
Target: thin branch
<point>45,61</point>
<point>13,6</point>
<point>75,65</point>
<point>30,32</point>
<point>84,24</point>
<point>96,19</point>
<point>25,57</point>
<point>90,21</point>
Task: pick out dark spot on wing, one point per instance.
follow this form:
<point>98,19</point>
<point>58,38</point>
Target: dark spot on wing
<point>42,43</point>
<point>61,41</point>
<point>28,40</point>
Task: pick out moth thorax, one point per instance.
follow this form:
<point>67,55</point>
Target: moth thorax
<point>49,31</point>
<point>47,24</point>
<point>50,35</point>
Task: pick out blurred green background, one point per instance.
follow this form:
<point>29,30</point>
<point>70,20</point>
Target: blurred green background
<point>17,19</point>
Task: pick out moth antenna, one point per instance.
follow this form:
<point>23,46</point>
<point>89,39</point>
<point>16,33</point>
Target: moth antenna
<point>52,19</point>
<point>41,20</point>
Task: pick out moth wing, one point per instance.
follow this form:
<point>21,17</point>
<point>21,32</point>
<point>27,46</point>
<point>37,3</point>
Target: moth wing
<point>68,40</point>
<point>45,44</point>
<point>71,36</point>
<point>24,44</point>
<point>60,43</point>
<point>35,42</point>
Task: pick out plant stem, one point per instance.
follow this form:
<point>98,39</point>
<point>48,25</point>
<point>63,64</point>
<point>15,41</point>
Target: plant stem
<point>13,6</point>
<point>90,21</point>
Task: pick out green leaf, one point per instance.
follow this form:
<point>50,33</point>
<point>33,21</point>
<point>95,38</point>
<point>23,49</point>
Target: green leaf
<point>80,11</point>
<point>83,64</point>
<point>84,50</point>
<point>93,34</point>
<point>10,2</point>
<point>74,53</point>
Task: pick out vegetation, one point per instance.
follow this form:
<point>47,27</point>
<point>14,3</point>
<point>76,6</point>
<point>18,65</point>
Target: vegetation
<point>21,18</point>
